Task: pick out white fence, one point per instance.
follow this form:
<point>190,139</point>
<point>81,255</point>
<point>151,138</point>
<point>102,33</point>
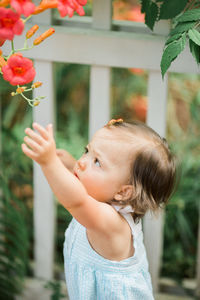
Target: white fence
<point>92,41</point>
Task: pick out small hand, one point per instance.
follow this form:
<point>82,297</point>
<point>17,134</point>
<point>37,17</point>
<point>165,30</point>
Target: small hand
<point>42,147</point>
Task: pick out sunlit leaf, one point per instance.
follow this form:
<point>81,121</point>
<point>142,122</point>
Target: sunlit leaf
<point>195,50</point>
<point>194,35</point>
<point>189,15</point>
<point>171,52</point>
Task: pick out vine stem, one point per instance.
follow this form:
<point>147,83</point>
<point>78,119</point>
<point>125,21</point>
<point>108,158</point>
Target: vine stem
<point>25,20</point>
<point>189,5</point>
<point>193,4</point>
<point>197,25</point>
<point>29,101</point>
<point>23,49</point>
<point>13,49</point>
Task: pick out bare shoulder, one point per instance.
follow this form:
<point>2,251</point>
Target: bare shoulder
<point>113,244</point>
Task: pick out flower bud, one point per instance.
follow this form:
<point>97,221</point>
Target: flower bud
<point>20,89</point>
<point>43,36</point>
<point>32,31</point>
<point>13,94</point>
<point>36,84</point>
<point>2,62</point>
<point>36,103</point>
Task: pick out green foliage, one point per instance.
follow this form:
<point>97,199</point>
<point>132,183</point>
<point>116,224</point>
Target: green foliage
<point>151,15</point>
<point>190,15</point>
<point>181,217</point>
<point>55,287</point>
<point>195,50</point>
<point>194,35</point>
<point>13,243</point>
<point>15,174</point>
<point>182,221</point>
<point>172,50</point>
<point>182,28</point>
<point>171,8</point>
<point>185,15</point>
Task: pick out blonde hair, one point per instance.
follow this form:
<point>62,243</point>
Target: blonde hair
<point>153,171</point>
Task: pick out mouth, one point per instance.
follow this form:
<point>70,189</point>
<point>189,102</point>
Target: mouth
<point>75,174</point>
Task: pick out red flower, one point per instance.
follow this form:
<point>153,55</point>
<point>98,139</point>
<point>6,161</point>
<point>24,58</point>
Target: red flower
<point>68,7</point>
<point>19,70</point>
<point>135,15</point>
<point>137,71</point>
<point>25,7</point>
<point>2,41</point>
<point>10,24</point>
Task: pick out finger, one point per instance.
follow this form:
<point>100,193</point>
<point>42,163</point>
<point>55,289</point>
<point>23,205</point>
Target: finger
<point>32,144</point>
<point>41,130</point>
<point>50,129</point>
<point>34,135</point>
<point>28,151</point>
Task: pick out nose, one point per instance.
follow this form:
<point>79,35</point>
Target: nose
<point>82,165</point>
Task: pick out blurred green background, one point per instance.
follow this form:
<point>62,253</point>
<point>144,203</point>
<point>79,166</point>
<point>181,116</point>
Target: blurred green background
<point>129,101</point>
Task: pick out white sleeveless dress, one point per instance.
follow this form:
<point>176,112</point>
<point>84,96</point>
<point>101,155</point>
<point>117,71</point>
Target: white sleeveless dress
<point>89,276</point>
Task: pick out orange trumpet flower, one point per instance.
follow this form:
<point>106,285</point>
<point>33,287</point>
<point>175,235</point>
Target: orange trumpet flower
<point>4,3</point>
<point>43,36</point>
<point>32,31</point>
<point>45,4</point>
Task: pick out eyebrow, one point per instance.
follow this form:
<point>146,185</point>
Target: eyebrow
<point>95,152</point>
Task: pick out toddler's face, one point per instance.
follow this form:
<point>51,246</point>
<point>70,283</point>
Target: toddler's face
<point>105,165</point>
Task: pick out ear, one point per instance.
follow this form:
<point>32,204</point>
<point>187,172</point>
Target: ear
<point>124,193</point>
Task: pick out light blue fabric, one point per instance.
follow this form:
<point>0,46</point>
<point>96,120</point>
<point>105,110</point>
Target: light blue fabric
<point>89,276</point>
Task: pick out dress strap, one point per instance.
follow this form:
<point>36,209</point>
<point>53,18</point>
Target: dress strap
<point>126,213</point>
<point>136,228</point>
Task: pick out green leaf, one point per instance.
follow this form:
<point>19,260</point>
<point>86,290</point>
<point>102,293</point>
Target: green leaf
<point>171,8</point>
<point>151,15</point>
<point>189,15</point>
<point>195,50</point>
<point>173,38</point>
<point>182,27</point>
<point>171,52</point>
<point>194,35</point>
<point>145,5</point>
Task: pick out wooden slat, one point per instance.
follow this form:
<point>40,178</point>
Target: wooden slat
<point>106,48</point>
<point>153,227</point>
<point>44,205</point>
<point>99,108</point>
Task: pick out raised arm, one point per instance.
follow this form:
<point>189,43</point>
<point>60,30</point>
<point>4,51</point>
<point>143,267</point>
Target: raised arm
<point>67,159</point>
<point>66,187</point>
<point>70,192</point>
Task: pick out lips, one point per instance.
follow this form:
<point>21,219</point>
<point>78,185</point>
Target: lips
<point>75,174</point>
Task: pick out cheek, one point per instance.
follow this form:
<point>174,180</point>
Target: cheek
<point>98,186</point>
<point>92,181</point>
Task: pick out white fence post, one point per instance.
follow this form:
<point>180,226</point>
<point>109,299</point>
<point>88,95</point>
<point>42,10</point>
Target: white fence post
<point>156,119</point>
<point>44,206</point>
<point>99,108</point>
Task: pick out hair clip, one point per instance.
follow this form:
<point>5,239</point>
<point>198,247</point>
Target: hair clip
<point>114,121</point>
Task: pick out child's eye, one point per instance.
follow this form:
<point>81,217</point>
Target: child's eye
<point>97,162</point>
<point>86,150</point>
